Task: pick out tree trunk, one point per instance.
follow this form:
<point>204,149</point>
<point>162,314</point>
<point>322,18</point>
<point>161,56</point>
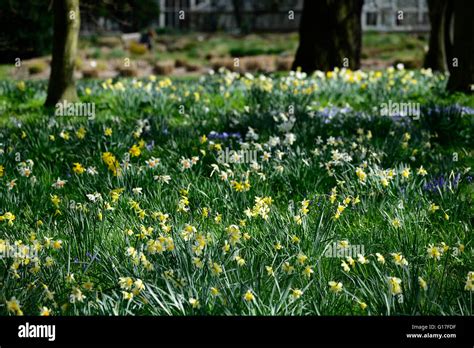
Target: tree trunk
<point>237,6</point>
<point>436,57</point>
<point>461,67</point>
<point>66,32</point>
<point>330,35</point>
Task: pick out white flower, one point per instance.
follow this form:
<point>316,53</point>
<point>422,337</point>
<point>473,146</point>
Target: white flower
<point>94,197</point>
<point>92,171</point>
<point>223,176</point>
<point>251,135</point>
<point>59,183</point>
<point>186,163</point>
<point>137,190</point>
<point>290,138</point>
<point>273,141</point>
<point>152,162</point>
<point>163,178</point>
<point>255,166</point>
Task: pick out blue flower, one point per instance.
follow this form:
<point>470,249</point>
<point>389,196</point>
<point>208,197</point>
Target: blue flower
<point>440,183</point>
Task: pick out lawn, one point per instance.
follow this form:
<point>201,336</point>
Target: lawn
<point>181,54</point>
<point>232,194</point>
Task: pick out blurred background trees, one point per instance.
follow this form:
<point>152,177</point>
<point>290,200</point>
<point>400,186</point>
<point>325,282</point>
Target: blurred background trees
<point>26,27</point>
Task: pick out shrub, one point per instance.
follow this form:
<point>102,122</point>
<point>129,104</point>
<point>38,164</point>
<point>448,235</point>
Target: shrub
<point>284,63</point>
<point>90,73</point>
<point>128,72</point>
<point>253,51</point>
<point>37,67</point>
<point>109,41</point>
<point>137,48</point>
<point>164,68</point>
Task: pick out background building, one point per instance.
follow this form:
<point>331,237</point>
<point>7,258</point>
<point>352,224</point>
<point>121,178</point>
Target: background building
<point>273,15</point>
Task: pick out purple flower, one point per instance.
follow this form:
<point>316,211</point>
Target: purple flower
<point>455,108</point>
<point>440,183</point>
<point>223,135</point>
<point>150,146</point>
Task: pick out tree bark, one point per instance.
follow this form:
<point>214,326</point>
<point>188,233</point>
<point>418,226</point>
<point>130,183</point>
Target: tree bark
<point>462,76</point>
<point>330,35</point>
<point>66,32</point>
<point>237,6</point>
<point>436,57</point>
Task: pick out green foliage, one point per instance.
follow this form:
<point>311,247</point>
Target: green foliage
<point>323,150</point>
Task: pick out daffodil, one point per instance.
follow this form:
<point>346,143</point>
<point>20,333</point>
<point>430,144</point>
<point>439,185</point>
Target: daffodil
<point>396,223</point>
<point>134,151</point>
<point>55,200</point>
<point>216,269</point>
<point>433,207</point>
<point>78,168</point>
<point>13,306</point>
<point>399,259</point>
<point>308,271</point>
<point>296,293</point>
<point>125,282</point>
<point>469,282</point>
<point>422,283</point>
<point>194,303</point>
<point>215,291</point>
<point>127,295</point>
<point>406,173</point>
<point>380,258</point>
<point>345,266</point>
<point>335,287</point>
<point>361,175</point>
<point>301,258</point>
<point>421,171</point>
<point>395,285</point>
<point>362,259</point>
<point>434,252</point>
<point>249,296</point>
<point>45,312</point>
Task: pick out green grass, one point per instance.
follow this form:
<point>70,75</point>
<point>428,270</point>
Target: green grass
<point>338,132</point>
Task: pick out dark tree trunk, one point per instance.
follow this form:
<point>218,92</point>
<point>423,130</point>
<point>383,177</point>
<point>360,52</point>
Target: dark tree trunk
<point>330,35</point>
<point>462,76</point>
<point>66,31</point>
<point>436,58</point>
<point>237,5</point>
